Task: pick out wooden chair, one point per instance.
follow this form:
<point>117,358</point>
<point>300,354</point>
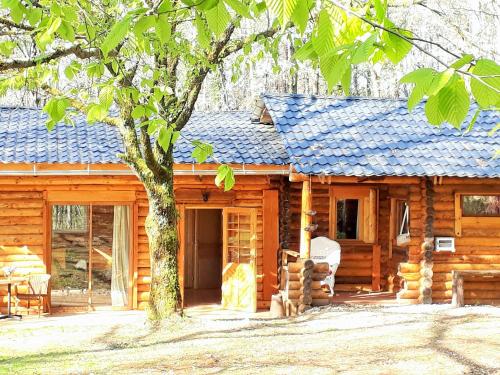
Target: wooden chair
<point>38,286</point>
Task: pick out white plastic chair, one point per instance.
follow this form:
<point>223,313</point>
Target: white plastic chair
<point>325,250</point>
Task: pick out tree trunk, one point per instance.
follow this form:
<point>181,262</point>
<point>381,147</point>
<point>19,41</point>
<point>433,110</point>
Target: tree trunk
<point>161,228</point>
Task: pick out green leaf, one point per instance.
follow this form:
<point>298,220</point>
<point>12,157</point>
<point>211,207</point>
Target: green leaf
<point>433,111</point>
<point>439,81</point>
<point>333,68</point>
<point>165,137</point>
<point>306,52</point>
<point>117,33</point>
<point>464,60</point>
<point>239,8</point>
<point>473,121</point>
<point>364,50</point>
<point>163,28</point>
<point>419,76</point>
<point>201,151</point>
<point>33,15</point>
<point>47,36</point>
<point>217,19</point>
<point>455,102</point>
<point>450,104</point>
<point>144,24</point>
<point>346,81</point>
<point>138,112</point>
<point>300,15</point>
<point>56,109</point>
<point>7,47</point>
<point>66,31</point>
<point>202,32</point>
<point>395,47</point>
<point>485,94</point>
<point>206,4</point>
<point>96,112</point>
<point>422,78</point>
<point>380,10</point>
<point>323,35</point>
<point>106,96</point>
<point>225,174</point>
<point>282,9</point>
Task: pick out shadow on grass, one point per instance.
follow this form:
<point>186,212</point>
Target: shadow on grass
<point>280,328</point>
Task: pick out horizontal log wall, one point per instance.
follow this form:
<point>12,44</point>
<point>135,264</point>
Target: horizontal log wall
<point>23,233</point>
<point>478,248</point>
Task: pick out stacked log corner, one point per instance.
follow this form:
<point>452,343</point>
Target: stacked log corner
<point>304,286</point>
<point>410,271</point>
<point>427,248</point>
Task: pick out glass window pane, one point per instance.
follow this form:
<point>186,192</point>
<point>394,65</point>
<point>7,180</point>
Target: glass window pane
<point>403,218</point>
<point>347,219</point>
<point>481,205</point>
<point>70,256</point>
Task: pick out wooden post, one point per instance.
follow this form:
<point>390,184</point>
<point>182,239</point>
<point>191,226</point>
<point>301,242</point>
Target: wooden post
<point>305,221</point>
<point>457,289</point>
<point>270,218</point>
<point>376,268</point>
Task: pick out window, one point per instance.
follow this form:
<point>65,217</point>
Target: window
<point>403,217</point>
<point>480,205</point>
<point>69,218</point>
<point>353,213</point>
<point>477,214</point>
<point>347,219</point>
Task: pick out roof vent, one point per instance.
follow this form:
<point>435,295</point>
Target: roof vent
<point>259,107</point>
<point>260,113</point>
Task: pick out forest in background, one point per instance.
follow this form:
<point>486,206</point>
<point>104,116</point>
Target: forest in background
<point>471,26</point>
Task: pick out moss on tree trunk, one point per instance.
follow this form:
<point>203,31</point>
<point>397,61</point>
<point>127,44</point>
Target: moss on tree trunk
<point>161,228</point>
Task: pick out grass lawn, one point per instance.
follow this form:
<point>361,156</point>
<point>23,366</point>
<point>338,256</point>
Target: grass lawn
<point>432,339</point>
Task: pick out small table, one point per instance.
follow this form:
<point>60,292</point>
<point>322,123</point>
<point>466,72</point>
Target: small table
<point>9,282</point>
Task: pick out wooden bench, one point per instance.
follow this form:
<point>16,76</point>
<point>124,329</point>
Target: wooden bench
<point>458,282</point>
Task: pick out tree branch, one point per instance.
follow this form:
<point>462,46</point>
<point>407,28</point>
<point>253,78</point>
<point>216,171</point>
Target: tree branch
<point>10,24</point>
<point>237,45</point>
<point>76,50</point>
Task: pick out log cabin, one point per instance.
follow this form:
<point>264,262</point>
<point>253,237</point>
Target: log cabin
<point>409,204</point>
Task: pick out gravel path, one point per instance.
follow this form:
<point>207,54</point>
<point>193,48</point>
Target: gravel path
<point>342,339</point>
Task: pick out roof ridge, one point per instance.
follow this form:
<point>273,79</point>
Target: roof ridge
<point>340,97</point>
<point>14,106</point>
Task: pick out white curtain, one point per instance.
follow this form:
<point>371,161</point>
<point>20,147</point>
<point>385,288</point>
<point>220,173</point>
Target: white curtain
<point>120,256</point>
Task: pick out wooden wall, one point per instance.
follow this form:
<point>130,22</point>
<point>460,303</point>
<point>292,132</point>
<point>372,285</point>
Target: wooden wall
<point>24,228</point>
<point>478,247</point>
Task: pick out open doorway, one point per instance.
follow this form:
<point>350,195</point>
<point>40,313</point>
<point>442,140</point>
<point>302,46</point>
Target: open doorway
<point>203,257</point>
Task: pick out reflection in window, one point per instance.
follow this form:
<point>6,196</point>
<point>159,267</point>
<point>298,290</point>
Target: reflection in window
<point>69,218</point>
<point>347,219</point>
<point>403,218</point>
<point>481,205</point>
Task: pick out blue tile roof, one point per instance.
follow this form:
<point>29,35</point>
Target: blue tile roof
<point>379,137</point>
<point>25,139</point>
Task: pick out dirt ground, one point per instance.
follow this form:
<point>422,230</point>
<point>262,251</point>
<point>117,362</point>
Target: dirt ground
<point>341,339</point>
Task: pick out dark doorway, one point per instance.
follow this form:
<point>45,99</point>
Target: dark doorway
<point>203,257</point>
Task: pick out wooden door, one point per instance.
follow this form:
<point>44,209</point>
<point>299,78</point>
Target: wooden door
<point>239,288</point>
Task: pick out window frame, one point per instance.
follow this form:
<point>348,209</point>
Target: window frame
<point>367,212</point>
<point>462,195</point>
<point>471,221</point>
